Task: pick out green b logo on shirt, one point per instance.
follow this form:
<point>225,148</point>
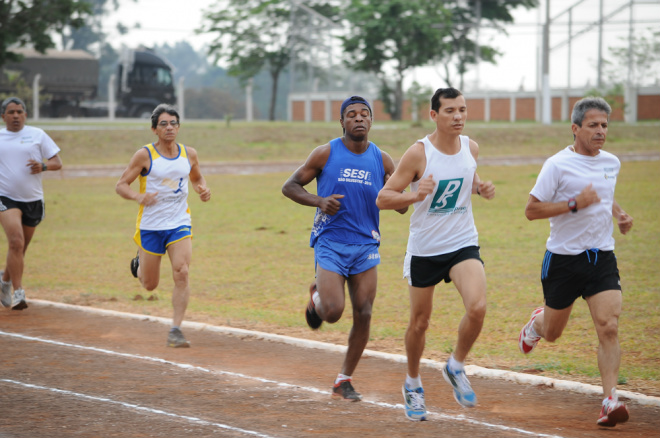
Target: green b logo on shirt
<point>446,196</point>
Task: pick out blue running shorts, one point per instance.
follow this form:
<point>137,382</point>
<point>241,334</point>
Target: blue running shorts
<point>344,258</point>
<point>156,242</point>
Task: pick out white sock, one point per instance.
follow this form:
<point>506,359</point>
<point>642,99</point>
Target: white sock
<point>413,382</point>
<point>341,377</point>
<point>533,333</point>
<point>455,365</point>
<point>317,299</point>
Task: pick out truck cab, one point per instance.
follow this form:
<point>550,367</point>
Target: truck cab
<point>144,81</point>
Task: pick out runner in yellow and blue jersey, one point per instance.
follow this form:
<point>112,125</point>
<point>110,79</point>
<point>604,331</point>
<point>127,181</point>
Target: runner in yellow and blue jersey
<point>164,169</point>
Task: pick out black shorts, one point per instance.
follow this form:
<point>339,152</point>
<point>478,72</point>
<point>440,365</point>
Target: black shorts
<point>567,277</point>
<point>429,271</point>
<point>33,212</point>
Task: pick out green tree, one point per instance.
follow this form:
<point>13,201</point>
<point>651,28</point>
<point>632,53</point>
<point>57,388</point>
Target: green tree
<point>13,82</point>
<point>389,37</point>
<point>641,56</point>
<point>32,22</point>
<point>91,37</point>
<point>420,99</point>
<point>462,50</point>
<point>256,35</point>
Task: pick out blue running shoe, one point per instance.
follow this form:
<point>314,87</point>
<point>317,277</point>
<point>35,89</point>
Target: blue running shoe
<point>463,392</point>
<point>414,403</point>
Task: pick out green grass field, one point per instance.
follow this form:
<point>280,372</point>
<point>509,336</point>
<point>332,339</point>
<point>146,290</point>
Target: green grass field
<point>252,263</point>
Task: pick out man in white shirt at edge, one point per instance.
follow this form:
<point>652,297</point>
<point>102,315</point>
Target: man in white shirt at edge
<point>575,191</point>
<point>25,153</point>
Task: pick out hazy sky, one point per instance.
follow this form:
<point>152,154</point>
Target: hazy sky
<point>173,20</point>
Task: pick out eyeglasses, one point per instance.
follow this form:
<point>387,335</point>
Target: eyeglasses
<point>164,124</point>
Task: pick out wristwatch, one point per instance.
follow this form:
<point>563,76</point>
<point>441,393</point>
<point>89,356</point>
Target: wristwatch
<point>44,167</point>
<point>572,205</point>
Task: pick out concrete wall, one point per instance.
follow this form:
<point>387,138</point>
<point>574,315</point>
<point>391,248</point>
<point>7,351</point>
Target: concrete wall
<point>522,106</point>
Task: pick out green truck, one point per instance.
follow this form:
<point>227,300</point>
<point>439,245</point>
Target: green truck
<point>69,82</point>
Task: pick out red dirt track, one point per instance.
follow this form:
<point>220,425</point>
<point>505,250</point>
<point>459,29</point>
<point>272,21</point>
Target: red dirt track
<point>66,372</point>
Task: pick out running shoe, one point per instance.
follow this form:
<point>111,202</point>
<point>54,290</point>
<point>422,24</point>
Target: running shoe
<point>19,300</point>
<point>135,263</point>
<point>414,403</point>
<point>314,321</point>
<point>5,291</point>
<point>527,343</point>
<point>175,339</point>
<point>345,391</point>
<point>613,411</point>
<point>463,392</point>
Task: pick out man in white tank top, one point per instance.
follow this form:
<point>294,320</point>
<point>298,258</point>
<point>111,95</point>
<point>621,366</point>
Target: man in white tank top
<point>575,191</point>
<point>443,242</point>
<point>164,225</point>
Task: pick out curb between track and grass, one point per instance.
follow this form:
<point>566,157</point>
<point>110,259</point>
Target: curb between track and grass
<point>472,370</point>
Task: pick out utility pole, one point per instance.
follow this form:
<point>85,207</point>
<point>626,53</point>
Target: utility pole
<point>547,99</point>
<point>600,47</point>
<point>478,54</point>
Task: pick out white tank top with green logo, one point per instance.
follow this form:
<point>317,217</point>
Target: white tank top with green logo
<point>443,221</point>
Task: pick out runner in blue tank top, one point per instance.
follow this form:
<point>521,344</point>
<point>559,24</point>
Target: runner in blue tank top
<point>349,171</point>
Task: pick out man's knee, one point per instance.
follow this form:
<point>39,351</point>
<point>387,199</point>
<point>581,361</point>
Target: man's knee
<point>16,242</point>
<point>608,330</point>
<point>332,311</point>
<point>180,273</point>
<point>419,324</point>
<point>150,284</point>
<point>551,335</point>
<point>363,315</point>
<point>477,310</point>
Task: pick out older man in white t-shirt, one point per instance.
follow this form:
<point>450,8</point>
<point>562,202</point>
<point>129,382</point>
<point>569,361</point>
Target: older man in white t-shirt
<point>25,152</point>
<point>575,191</point>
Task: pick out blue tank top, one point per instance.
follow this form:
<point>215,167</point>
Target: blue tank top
<point>359,178</point>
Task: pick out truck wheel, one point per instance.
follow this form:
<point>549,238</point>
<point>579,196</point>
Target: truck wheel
<point>144,112</point>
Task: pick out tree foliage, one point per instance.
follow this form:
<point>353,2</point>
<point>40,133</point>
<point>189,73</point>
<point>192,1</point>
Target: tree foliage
<point>255,35</point>
<point>463,49</point>
<point>389,37</point>
<point>641,56</point>
<point>91,37</point>
<point>32,22</point>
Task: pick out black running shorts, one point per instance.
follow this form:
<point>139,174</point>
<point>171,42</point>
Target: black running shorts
<point>567,277</point>
<point>33,212</point>
<point>429,271</point>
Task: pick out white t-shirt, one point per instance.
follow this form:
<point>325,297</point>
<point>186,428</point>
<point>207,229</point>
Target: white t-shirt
<point>443,221</point>
<point>564,176</point>
<point>16,148</point>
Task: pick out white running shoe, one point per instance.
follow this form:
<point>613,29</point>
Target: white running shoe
<point>613,411</point>
<point>19,300</point>
<point>526,342</point>
<point>5,291</point>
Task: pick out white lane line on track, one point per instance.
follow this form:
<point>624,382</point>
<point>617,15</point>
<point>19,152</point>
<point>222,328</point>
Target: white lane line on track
<point>397,406</point>
<point>138,408</point>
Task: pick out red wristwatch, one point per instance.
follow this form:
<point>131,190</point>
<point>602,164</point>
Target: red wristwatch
<point>572,205</point>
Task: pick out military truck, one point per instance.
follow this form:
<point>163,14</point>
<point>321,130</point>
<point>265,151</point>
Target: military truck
<point>69,81</point>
